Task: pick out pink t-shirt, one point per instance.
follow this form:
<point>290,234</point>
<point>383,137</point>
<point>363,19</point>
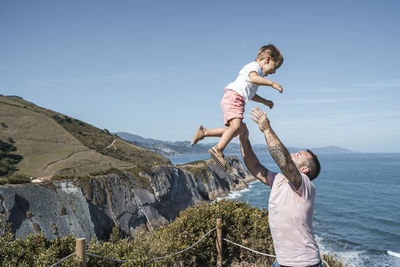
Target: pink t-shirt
<point>291,221</point>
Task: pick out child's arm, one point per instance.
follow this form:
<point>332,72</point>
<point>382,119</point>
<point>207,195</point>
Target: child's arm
<point>257,79</point>
<point>262,100</point>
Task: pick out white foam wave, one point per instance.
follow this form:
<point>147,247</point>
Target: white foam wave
<point>251,184</point>
<point>350,258</point>
<point>321,246</point>
<point>235,194</point>
<point>394,254</point>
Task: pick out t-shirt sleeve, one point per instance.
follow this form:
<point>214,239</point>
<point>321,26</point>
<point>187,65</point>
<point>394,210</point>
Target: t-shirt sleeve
<point>305,189</point>
<point>271,178</point>
<point>252,67</point>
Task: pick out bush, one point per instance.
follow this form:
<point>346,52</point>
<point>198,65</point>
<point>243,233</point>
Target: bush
<point>332,260</point>
<point>18,179</point>
<point>240,223</point>
<point>35,250</point>
<point>15,179</point>
<point>8,161</point>
<point>58,118</point>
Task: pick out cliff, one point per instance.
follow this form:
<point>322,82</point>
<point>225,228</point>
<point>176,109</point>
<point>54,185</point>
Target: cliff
<point>143,200</point>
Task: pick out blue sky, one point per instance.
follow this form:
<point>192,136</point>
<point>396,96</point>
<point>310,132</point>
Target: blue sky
<point>158,68</point>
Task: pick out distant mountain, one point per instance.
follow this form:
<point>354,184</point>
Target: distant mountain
<point>331,149</point>
<point>136,138</point>
<point>167,148</point>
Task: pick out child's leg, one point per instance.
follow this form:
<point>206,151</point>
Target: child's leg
<point>229,133</point>
<point>217,132</point>
<point>203,132</point>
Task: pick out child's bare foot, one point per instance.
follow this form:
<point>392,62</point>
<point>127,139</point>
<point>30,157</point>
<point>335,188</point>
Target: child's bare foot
<point>218,156</point>
<point>199,135</point>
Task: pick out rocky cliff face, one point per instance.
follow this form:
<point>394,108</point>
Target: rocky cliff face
<point>94,206</point>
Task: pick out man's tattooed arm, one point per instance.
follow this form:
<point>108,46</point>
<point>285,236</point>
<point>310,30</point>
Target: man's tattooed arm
<point>277,150</point>
<point>282,157</point>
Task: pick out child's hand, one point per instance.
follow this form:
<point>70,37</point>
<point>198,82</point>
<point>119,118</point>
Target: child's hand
<point>277,86</point>
<point>269,103</point>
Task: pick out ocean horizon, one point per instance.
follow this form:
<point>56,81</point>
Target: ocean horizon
<point>356,212</point>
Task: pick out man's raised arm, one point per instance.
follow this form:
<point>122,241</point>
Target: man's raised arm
<point>277,150</point>
<point>250,159</point>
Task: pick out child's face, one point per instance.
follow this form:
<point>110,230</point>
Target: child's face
<point>269,66</point>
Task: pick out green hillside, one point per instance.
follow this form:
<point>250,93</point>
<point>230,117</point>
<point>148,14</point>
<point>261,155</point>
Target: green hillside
<point>51,143</point>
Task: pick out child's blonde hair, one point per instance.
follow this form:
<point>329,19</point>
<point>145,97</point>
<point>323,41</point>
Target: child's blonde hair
<point>270,51</point>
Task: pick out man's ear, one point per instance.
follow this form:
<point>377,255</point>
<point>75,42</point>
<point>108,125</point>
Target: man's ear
<point>304,169</point>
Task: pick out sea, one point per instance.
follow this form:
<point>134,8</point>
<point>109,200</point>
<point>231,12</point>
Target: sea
<point>357,208</point>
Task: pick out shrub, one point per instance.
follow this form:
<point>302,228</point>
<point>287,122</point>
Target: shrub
<point>8,161</point>
<point>18,179</point>
<point>332,260</point>
<point>240,223</point>
<point>58,118</point>
<point>35,250</point>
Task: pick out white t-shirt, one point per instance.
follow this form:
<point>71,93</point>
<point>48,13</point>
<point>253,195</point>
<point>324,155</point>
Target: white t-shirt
<point>291,221</point>
<point>242,84</point>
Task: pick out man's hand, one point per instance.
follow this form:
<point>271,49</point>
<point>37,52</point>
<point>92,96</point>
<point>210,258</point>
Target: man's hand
<point>269,103</point>
<point>260,118</point>
<point>277,86</point>
<point>278,151</point>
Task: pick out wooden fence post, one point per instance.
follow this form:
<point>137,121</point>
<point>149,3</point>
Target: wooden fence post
<point>81,250</point>
<point>219,242</point>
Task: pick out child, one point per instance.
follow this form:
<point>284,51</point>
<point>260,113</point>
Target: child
<point>237,94</point>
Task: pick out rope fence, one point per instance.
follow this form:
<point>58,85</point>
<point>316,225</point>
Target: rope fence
<point>252,250</point>
<point>63,259</point>
<point>109,259</point>
<point>179,252</point>
<point>81,250</point>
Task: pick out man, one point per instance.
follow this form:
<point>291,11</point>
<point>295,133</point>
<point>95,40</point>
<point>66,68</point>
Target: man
<point>291,202</point>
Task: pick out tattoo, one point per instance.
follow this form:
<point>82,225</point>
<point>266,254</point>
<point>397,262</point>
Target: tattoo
<point>282,157</point>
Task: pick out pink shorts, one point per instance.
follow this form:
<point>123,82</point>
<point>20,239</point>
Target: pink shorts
<point>232,105</point>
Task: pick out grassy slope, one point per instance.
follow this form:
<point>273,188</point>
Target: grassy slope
<point>52,143</point>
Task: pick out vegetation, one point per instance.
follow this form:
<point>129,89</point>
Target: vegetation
<point>35,250</point>
<point>240,223</point>
<point>15,179</point>
<point>140,174</point>
<point>199,169</point>
<point>332,260</point>
<point>106,143</point>
<point>8,161</point>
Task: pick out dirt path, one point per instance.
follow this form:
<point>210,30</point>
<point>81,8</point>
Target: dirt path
<point>48,165</point>
<point>112,144</point>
